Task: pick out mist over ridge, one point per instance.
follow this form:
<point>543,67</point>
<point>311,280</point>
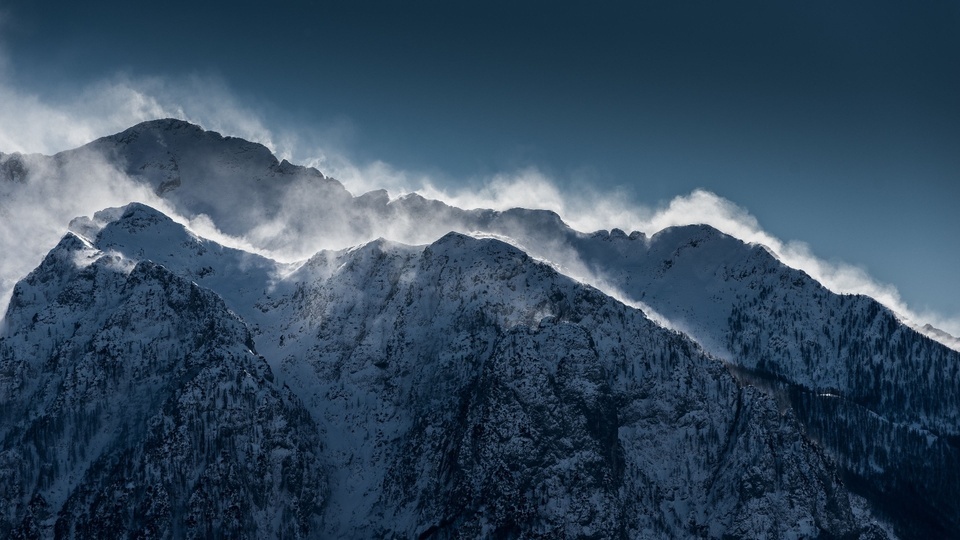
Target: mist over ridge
<point>281,218</point>
<point>451,271</point>
<point>346,322</point>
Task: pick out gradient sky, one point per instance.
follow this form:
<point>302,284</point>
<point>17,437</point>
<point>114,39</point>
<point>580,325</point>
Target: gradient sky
<point>834,123</point>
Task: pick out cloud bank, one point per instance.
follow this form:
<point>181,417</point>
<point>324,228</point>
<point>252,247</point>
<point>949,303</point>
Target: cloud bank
<point>588,211</point>
<point>33,123</point>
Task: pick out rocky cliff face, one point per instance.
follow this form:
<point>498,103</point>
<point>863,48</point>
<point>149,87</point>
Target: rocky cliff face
<point>457,390</point>
<point>133,404</point>
<point>460,388</point>
<point>881,398</point>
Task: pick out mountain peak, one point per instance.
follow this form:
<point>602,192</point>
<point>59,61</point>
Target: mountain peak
<point>137,224</point>
<point>617,234</point>
<point>167,124</point>
<point>131,217</point>
<point>160,129</point>
<point>457,240</point>
<point>134,211</point>
<point>696,232</point>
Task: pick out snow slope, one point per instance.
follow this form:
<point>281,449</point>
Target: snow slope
<point>876,396</point>
<point>134,404</point>
<point>454,390</point>
<point>880,397</point>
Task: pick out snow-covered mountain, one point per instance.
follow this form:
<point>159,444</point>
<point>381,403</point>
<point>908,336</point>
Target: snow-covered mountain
<point>133,404</point>
<point>883,399</point>
<point>455,390</point>
<point>158,383</point>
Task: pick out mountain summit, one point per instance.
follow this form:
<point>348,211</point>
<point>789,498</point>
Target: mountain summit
<point>157,383</point>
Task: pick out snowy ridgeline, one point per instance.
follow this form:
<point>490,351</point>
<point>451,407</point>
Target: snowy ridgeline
<point>457,389</point>
<point>155,382</point>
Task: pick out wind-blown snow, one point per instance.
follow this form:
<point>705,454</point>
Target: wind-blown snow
<point>455,387</point>
<point>296,218</point>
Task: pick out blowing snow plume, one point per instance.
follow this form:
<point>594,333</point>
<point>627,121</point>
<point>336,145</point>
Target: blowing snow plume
<point>293,219</point>
<point>842,278</point>
<point>586,210</point>
<point>38,199</point>
<point>39,194</point>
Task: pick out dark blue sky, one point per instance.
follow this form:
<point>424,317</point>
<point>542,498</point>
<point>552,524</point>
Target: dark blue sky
<point>834,123</point>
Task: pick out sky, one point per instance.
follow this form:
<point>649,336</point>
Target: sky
<point>834,126</point>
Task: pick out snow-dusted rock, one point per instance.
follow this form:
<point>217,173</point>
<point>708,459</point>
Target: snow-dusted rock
<point>456,390</point>
<point>419,365</point>
<point>881,398</point>
<point>134,404</point>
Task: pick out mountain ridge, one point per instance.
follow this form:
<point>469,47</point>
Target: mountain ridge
<point>834,363</point>
<point>354,219</point>
<point>529,319</point>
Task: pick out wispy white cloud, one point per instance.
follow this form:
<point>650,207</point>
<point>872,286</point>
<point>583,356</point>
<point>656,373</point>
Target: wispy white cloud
<point>35,215</point>
<point>30,122</point>
<point>589,211</point>
<point>34,123</point>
